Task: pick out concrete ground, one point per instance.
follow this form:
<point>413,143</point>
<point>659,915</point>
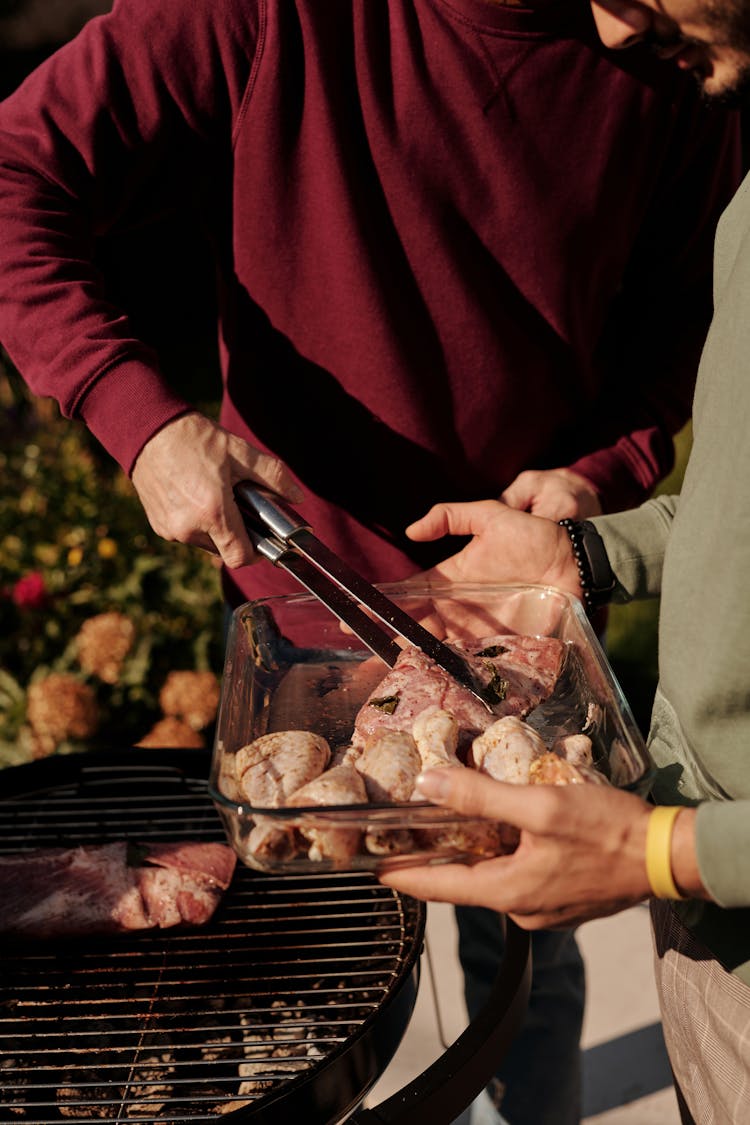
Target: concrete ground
<point>626,1074</point>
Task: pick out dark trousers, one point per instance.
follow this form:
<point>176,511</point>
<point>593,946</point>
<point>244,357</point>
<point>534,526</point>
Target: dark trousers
<point>539,1080</point>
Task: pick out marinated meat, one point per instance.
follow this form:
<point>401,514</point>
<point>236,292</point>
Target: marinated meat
<point>551,769</point>
<point>274,766</point>
<point>575,748</point>
<point>507,749</point>
<point>112,888</point>
<point>417,717</point>
<point>516,674</point>
<point>435,732</point>
<point>341,785</point>
<point>473,838</point>
<point>270,841</point>
<point>414,683</point>
<point>390,765</point>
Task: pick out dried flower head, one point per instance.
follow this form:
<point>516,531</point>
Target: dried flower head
<point>60,707</point>
<point>172,733</point>
<point>191,696</point>
<point>103,642</point>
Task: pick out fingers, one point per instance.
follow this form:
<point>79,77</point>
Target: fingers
<point>249,463</point>
<point>453,519</point>
<point>553,493</point>
<point>451,882</point>
<point>520,493</point>
<point>185,476</point>
<point>467,791</point>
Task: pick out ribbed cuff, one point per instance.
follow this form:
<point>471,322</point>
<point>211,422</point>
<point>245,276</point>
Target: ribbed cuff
<point>126,406</point>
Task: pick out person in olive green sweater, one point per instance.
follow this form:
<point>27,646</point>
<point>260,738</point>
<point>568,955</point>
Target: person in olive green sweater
<point>590,851</point>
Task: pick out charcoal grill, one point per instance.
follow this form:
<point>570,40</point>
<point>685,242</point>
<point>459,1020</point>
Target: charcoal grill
<point>286,1007</point>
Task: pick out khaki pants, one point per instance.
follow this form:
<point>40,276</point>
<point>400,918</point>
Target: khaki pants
<point>706,1018</point>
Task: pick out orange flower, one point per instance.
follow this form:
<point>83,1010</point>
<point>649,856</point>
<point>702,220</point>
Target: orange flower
<point>103,642</point>
<point>61,707</point>
<point>191,696</point>
<point>172,733</point>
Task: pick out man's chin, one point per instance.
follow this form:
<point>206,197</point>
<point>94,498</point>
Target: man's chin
<point>734,94</point>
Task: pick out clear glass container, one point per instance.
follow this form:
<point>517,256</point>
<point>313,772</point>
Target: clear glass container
<point>291,666</point>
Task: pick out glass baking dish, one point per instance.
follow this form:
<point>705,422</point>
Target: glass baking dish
<point>290,666</point>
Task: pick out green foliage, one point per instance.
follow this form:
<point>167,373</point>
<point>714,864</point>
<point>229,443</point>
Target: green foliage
<point>75,543</point>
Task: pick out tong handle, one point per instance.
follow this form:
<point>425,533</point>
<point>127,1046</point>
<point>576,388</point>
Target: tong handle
<point>281,520</point>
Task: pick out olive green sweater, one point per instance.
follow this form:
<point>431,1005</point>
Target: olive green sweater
<point>694,551</point>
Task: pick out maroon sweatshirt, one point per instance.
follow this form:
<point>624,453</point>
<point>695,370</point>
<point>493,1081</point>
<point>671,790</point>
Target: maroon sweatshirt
<point>454,240</point>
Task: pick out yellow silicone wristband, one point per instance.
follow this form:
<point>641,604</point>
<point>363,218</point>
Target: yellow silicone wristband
<point>659,851</point>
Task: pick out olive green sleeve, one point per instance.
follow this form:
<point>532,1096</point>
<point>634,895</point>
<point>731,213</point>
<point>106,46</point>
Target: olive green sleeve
<point>636,541</point>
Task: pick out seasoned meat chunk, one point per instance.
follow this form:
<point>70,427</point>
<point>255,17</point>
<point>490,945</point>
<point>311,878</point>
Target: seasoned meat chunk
<point>575,748</point>
<point>274,766</point>
<point>515,673</point>
<point>506,750</point>
<point>435,732</point>
<point>551,769</point>
<point>341,785</point>
<point>389,765</point>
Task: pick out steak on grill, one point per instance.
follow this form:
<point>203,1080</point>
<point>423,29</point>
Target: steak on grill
<point>112,888</point>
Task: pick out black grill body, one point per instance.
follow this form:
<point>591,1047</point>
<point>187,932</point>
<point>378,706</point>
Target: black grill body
<point>287,1005</point>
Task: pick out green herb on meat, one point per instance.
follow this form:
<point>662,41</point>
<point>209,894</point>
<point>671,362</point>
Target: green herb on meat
<point>497,688</point>
<point>387,703</point>
<point>492,650</point>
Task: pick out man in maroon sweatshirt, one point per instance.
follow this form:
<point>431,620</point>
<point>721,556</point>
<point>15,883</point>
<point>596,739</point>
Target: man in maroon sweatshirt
<point>463,250</point>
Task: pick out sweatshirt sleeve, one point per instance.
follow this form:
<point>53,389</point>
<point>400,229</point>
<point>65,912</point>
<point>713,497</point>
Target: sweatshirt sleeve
<point>635,542</point>
<point>132,118</point>
<point>651,344</point>
<point>722,836</point>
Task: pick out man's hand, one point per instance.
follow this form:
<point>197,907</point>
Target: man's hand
<point>507,546</point>
<point>184,477</point>
<point>581,853</point>
<point>558,494</point>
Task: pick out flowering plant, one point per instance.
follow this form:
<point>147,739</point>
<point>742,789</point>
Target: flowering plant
<point>96,612</point>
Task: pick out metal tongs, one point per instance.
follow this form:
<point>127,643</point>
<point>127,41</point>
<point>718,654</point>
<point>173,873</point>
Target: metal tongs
<point>282,536</point>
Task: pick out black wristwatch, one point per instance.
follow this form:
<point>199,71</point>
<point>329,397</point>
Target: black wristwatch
<point>594,571</point>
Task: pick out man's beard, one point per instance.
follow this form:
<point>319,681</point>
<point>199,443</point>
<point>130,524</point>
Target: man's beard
<point>735,32</point>
<point>734,96</point>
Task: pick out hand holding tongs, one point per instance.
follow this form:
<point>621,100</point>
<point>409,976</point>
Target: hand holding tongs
<point>283,537</point>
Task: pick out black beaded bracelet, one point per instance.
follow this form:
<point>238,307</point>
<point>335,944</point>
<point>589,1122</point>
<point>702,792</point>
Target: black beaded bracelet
<point>594,572</point>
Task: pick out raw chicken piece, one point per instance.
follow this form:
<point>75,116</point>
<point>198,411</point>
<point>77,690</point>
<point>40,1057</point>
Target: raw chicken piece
<point>341,785</point>
<point>269,841</point>
<point>435,732</point>
<point>516,673</point>
<point>389,765</point>
<point>551,769</point>
<point>506,750</point>
<point>346,756</point>
<point>575,748</point>
<point>414,683</point>
<point>389,841</point>
<point>475,838</point>
<point>276,765</point>
<point>531,667</point>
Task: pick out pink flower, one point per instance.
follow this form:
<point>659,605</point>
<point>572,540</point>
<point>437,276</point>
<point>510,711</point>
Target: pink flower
<point>30,592</point>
